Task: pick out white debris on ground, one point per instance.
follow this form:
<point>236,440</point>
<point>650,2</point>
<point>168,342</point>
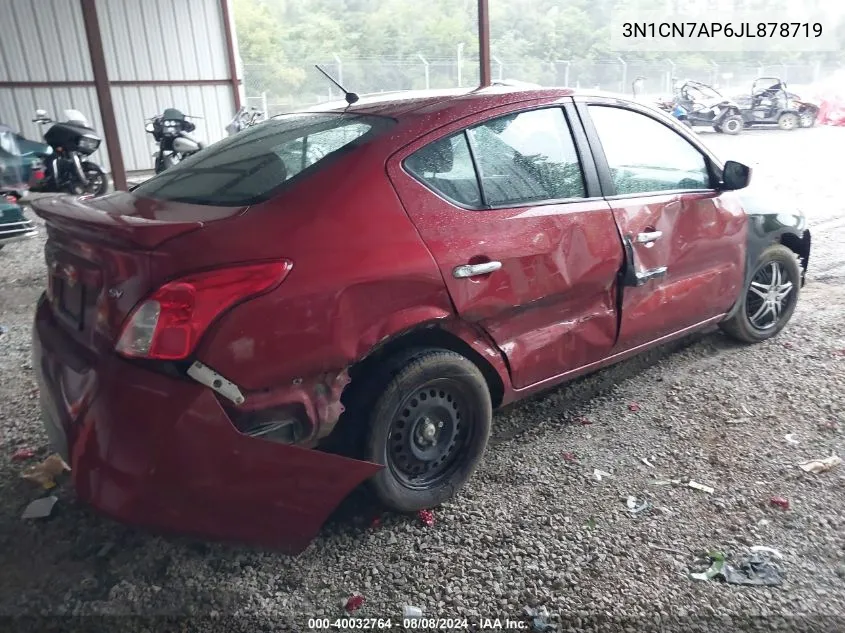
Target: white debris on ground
<point>531,529</point>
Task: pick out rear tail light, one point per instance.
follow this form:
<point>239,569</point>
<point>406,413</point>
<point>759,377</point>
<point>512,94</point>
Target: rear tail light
<point>168,325</point>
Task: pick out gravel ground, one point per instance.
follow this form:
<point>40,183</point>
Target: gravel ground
<point>534,527</point>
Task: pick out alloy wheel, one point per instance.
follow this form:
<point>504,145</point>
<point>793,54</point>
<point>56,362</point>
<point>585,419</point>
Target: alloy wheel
<point>429,435</point>
<point>769,295</point>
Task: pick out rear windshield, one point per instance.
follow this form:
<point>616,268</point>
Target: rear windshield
<point>253,165</point>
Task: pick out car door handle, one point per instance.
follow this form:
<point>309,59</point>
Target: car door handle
<point>647,238</point>
<point>647,275</point>
<point>473,270</point>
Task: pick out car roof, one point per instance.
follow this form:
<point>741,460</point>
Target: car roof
<point>402,103</point>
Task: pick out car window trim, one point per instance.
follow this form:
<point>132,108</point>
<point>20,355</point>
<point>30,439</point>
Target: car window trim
<point>585,159</point>
<point>603,167</point>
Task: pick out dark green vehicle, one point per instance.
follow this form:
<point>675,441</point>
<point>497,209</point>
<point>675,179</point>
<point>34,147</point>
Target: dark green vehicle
<point>15,171</point>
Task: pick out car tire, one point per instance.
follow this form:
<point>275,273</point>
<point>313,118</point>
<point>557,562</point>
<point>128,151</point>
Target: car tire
<point>429,428</point>
<point>808,118</point>
<point>752,322</point>
<point>788,121</point>
<point>732,124</point>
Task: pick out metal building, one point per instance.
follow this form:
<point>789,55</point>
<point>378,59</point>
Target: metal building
<point>119,62</point>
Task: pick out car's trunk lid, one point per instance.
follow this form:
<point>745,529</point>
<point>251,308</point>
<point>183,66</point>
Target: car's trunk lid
<point>98,256</point>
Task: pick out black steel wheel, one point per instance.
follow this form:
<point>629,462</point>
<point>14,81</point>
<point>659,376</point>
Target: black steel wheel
<point>769,297</point>
<point>429,429</point>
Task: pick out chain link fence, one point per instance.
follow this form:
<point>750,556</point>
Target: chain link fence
<point>279,90</point>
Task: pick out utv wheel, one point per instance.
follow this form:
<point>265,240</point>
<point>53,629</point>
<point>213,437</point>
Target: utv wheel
<point>732,124</point>
<point>428,428</point>
<point>788,121</point>
<point>770,297</point>
<point>807,118</point>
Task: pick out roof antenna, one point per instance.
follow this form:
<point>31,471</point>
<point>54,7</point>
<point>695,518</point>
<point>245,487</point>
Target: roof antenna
<point>350,97</point>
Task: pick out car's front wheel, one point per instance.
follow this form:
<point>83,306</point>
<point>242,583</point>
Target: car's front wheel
<point>429,429</point>
<point>769,298</point>
<point>732,124</point>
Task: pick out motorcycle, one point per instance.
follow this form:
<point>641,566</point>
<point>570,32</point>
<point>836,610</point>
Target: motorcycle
<point>171,130</point>
<point>67,143</point>
<point>244,118</point>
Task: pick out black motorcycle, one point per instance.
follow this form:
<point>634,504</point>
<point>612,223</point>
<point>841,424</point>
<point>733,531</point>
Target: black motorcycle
<point>171,130</point>
<point>67,143</point>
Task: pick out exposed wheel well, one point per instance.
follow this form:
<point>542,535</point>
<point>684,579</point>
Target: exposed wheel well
<point>366,374</point>
<point>798,245</point>
<point>430,336</point>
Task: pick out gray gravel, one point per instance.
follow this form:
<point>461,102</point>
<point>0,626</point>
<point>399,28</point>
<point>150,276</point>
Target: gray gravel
<point>533,527</point>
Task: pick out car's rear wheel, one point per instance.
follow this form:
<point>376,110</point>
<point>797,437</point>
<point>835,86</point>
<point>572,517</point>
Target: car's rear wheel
<point>732,124</point>
<point>788,121</point>
<point>769,298</point>
<point>429,429</point>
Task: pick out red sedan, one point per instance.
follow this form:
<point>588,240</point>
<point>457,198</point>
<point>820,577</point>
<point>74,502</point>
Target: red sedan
<point>345,295</point>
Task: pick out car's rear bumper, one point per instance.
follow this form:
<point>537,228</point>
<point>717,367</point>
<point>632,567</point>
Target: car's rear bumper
<point>154,450</point>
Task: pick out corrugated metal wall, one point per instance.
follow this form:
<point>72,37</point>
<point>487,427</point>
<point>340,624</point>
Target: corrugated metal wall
<point>143,41</point>
<point>45,41</point>
<point>181,40</point>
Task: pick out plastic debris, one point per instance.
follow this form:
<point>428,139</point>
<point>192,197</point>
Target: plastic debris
<point>753,570</point>
<point>427,517</point>
<point>667,482</point>
<point>598,474</point>
<point>780,502</point>
<point>590,524</point>
<point>570,457</point>
<point>634,406</point>
<point>717,564</point>
<point>40,508</point>
<point>22,454</point>
<point>790,438</point>
<point>46,472</point>
<point>584,421</point>
<point>702,487</point>
<point>634,507</point>
<point>411,613</point>
<point>354,603</point>
<point>821,465</point>
<point>788,345</point>
<point>768,550</point>
<point>539,619</point>
<point>645,461</point>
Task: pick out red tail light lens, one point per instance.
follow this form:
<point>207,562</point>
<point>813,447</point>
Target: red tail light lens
<point>168,325</point>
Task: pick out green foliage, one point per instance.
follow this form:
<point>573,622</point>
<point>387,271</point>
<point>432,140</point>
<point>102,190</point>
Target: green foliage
<point>280,40</point>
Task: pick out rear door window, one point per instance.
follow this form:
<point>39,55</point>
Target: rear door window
<point>446,167</point>
<point>527,157</point>
<point>253,165</point>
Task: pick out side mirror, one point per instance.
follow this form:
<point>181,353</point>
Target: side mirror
<point>149,128</point>
<point>735,176</point>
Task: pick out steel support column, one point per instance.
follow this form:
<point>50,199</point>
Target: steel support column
<point>484,42</point>
<point>101,84</point>
<point>230,53</point>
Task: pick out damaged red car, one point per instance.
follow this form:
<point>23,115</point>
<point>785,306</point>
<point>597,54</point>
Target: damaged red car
<point>345,295</point>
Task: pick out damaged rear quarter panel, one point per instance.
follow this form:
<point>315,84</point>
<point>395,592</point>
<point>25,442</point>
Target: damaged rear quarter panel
<point>360,274</point>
